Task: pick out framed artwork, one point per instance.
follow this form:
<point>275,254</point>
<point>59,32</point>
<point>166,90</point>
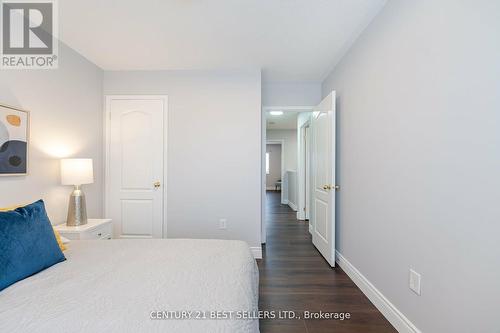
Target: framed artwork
<point>14,139</point>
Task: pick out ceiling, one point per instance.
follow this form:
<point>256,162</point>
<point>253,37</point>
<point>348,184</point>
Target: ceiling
<point>288,120</point>
<point>291,41</point>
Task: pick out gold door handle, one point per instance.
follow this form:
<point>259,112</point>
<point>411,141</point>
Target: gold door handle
<point>331,187</point>
<point>157,184</point>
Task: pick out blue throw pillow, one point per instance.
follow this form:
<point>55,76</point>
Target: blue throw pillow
<point>27,243</point>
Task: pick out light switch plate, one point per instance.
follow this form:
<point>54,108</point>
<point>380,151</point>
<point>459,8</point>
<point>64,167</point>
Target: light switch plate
<point>222,224</point>
<point>415,282</point>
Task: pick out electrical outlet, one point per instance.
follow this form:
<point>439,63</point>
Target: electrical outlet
<point>415,281</point>
<point>222,224</point>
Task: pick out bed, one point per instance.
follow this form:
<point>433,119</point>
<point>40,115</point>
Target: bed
<point>139,285</point>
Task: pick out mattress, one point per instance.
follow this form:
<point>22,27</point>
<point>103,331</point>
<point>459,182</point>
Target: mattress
<point>124,285</point>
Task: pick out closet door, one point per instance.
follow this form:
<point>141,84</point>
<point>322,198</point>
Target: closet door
<point>135,182</point>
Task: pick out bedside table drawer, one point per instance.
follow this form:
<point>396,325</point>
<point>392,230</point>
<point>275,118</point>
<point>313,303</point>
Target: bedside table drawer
<point>102,232</point>
<point>94,229</point>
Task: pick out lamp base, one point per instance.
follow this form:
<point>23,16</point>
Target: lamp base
<point>77,210</point>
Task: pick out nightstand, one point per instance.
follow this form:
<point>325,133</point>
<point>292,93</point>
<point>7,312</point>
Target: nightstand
<point>94,229</point>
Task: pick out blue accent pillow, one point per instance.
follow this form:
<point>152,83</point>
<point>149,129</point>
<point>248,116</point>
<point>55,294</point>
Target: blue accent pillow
<point>27,243</point>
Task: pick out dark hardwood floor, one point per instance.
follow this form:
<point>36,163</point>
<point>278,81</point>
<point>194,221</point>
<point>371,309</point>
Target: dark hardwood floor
<point>295,277</point>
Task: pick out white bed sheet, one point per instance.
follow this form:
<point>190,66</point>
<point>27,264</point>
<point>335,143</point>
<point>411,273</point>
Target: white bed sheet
<point>113,286</point>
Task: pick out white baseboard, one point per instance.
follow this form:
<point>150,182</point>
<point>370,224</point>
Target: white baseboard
<point>390,312</point>
<point>292,205</point>
<point>256,251</point>
<point>311,229</point>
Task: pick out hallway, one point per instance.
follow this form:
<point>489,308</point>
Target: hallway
<point>294,277</point>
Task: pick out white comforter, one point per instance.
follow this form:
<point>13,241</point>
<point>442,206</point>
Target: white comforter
<point>114,286</point>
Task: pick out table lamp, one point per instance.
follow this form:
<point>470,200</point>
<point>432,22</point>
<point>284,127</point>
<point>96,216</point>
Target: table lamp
<point>76,172</point>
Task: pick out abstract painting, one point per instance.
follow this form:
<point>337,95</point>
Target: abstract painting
<point>14,132</point>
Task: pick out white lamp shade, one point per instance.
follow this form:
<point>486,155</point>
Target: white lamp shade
<point>77,171</point>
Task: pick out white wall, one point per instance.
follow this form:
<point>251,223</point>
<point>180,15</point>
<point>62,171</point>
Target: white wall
<point>214,150</point>
<point>291,177</point>
<point>419,160</point>
<point>291,94</point>
<point>66,121</point>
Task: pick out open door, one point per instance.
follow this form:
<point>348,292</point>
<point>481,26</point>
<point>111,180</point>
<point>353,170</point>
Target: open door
<point>323,178</point>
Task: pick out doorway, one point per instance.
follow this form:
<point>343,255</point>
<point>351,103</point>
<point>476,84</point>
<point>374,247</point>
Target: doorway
<point>281,127</point>
<point>275,162</point>
<point>308,181</point>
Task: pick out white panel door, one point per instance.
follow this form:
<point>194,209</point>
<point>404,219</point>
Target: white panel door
<point>323,178</point>
<point>135,158</point>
